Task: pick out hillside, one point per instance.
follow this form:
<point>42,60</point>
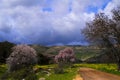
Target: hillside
<point>84,53</point>
<point>103,58</point>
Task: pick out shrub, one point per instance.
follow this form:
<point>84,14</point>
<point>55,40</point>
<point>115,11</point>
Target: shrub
<point>43,59</point>
<point>22,56</point>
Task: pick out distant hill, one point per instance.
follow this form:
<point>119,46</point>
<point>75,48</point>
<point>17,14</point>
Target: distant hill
<point>39,48</point>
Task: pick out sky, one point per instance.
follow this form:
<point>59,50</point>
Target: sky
<point>49,22</point>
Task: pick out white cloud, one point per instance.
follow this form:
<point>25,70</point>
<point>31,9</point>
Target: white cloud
<point>29,23</point>
<point>111,5</point>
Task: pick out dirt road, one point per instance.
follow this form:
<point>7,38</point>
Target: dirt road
<point>92,74</point>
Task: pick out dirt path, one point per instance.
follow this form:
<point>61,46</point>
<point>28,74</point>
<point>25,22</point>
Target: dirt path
<point>92,74</point>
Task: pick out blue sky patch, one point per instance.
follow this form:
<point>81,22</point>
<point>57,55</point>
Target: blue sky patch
<point>92,9</point>
<point>105,3</point>
<point>47,9</point>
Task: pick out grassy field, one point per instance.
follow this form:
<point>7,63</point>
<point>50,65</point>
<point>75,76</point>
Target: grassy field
<point>69,74</point>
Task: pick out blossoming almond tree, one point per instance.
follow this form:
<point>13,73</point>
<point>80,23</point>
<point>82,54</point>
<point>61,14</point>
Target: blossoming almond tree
<point>21,56</point>
<point>65,56</point>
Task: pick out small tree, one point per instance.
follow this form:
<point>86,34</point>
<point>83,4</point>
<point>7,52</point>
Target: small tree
<point>22,56</point>
<point>65,58</point>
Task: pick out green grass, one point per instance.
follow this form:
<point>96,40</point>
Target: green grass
<point>70,73</point>
<point>110,68</point>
